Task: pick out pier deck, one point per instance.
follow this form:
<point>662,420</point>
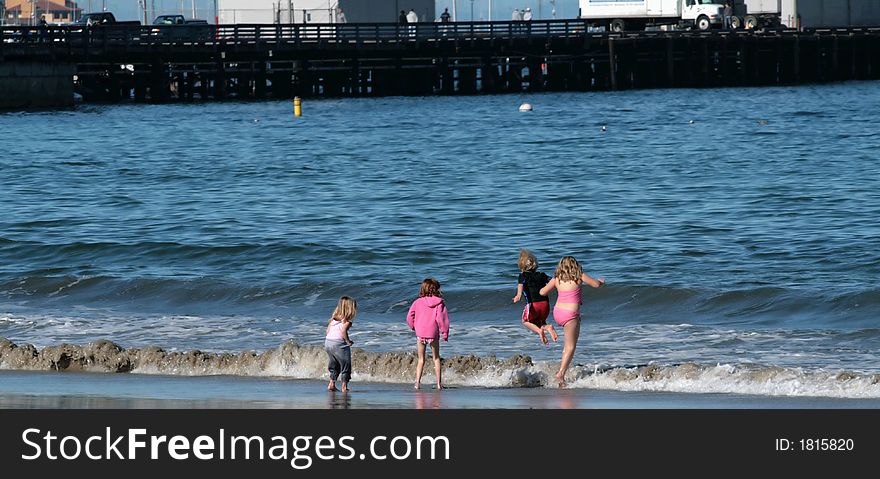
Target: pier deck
<point>282,61</point>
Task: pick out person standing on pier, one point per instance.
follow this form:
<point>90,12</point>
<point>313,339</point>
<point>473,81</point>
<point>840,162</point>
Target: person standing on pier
<point>517,16</point>
<point>340,16</point>
<point>402,17</point>
<point>44,29</point>
<point>728,14</point>
<point>444,17</point>
<point>412,17</point>
<point>527,16</point>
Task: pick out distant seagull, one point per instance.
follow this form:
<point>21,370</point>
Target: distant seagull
<point>604,128</point>
<point>763,122</point>
<point>691,122</point>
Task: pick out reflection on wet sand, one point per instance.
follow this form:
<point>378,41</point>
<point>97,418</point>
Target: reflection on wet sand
<point>428,399</point>
<point>561,399</point>
<point>338,400</point>
<point>74,390</point>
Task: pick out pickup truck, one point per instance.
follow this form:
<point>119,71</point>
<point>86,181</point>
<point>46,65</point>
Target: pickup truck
<point>104,27</point>
<point>177,20</point>
<point>176,28</point>
<point>102,18</point>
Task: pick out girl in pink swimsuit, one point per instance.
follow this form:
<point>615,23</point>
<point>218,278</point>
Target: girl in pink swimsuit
<point>567,280</point>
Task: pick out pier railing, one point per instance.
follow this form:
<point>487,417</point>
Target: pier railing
<point>311,34</point>
<point>70,37</point>
<point>286,34</point>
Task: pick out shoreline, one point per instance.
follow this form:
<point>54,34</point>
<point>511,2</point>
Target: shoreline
<point>80,390</point>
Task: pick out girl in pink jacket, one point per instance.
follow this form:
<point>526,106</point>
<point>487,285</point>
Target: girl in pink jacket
<point>429,319</point>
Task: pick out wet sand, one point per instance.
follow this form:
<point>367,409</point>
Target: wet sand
<point>26,389</point>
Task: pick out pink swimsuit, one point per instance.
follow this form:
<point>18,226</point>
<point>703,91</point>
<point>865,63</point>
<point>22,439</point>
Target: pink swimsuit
<point>335,331</point>
<point>562,315</point>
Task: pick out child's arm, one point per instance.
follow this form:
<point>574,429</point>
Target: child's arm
<point>411,317</point>
<point>519,289</point>
<point>329,322</point>
<point>596,283</point>
<point>345,328</point>
<point>548,287</point>
<point>442,317</point>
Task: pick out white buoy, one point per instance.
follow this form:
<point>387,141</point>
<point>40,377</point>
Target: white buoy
<point>604,128</point>
<point>525,107</point>
<point>691,122</point>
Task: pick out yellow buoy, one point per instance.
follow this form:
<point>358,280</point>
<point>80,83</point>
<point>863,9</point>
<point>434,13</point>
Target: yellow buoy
<point>297,106</point>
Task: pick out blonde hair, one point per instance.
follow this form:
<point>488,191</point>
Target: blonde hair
<point>346,309</point>
<point>527,261</point>
<point>430,287</point>
<point>568,269</point>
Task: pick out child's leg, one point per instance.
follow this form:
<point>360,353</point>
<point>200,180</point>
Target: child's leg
<point>553,335</point>
<point>435,352</point>
<point>420,364</point>
<point>332,368</point>
<point>345,366</point>
<point>572,331</point>
<point>534,328</point>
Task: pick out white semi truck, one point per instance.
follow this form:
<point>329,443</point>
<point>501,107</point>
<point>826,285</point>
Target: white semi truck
<point>620,15</point>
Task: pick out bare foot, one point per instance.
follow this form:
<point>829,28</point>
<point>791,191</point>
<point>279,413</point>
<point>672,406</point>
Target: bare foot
<point>560,378</point>
<point>543,338</point>
<point>417,386</point>
<point>345,388</point>
<point>331,386</point>
<point>439,386</point>
<point>553,335</point>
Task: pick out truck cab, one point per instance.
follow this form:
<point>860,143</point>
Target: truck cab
<point>176,20</point>
<point>703,14</point>
<point>99,18</point>
<point>169,20</point>
<point>102,18</point>
<point>176,28</point>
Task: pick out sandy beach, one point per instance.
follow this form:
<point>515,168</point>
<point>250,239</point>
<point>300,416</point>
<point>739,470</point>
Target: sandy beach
<point>20,389</point>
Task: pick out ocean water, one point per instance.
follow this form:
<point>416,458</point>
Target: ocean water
<point>736,228</point>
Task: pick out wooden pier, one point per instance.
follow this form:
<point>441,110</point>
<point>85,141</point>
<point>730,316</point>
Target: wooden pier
<point>353,60</point>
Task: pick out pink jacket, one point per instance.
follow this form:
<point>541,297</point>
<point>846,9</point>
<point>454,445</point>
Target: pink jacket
<point>428,318</point>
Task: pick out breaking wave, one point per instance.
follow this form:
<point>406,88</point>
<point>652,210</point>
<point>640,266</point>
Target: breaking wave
<point>292,360</point>
<point>771,305</point>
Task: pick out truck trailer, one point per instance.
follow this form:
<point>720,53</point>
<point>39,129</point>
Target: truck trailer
<point>800,14</point>
<point>809,14</point>
<point>620,15</point>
